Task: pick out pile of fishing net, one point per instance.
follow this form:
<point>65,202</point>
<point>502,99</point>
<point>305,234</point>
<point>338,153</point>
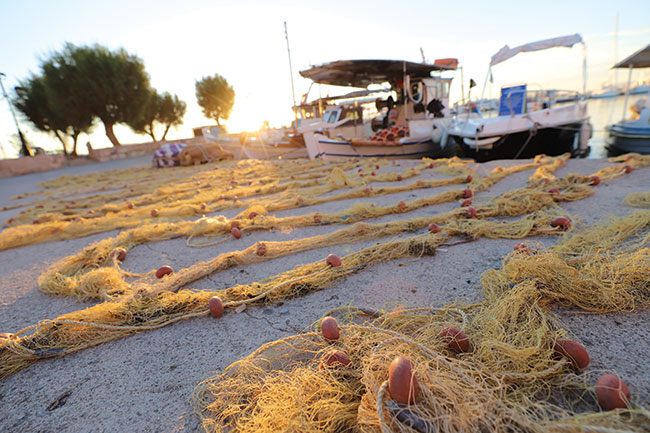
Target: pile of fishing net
<point>638,199</point>
<point>501,365</point>
<point>390,134</point>
<point>309,383</point>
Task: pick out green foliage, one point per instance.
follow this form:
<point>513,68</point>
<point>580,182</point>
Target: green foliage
<point>112,86</point>
<point>215,96</point>
<point>32,102</point>
<point>64,120</point>
<point>80,84</point>
<point>165,110</point>
<point>172,111</point>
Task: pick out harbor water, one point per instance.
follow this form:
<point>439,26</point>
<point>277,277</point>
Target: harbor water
<point>604,112</point>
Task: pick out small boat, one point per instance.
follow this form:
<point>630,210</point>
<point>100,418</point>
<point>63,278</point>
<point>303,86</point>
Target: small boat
<point>607,92</point>
<point>528,122</point>
<point>632,135</point>
<point>641,89</point>
<point>274,143</point>
<point>408,123</point>
<point>231,143</point>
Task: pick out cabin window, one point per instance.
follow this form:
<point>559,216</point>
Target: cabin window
<point>331,116</point>
<point>440,90</point>
<point>445,86</point>
<point>434,91</point>
<point>352,113</point>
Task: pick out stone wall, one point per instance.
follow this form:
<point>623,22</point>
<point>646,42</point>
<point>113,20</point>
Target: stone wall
<point>124,151</point>
<point>16,167</point>
<point>19,166</point>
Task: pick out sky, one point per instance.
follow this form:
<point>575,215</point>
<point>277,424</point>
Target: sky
<point>244,41</point>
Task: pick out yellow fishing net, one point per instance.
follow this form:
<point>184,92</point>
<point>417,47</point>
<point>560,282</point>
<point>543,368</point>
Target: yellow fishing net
<point>65,277</point>
<point>207,195</point>
<point>638,199</point>
<point>495,387</point>
<point>510,380</point>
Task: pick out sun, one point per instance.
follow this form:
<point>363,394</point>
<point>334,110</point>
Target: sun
<point>251,117</point>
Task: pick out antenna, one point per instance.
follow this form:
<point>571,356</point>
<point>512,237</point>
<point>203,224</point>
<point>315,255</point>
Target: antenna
<point>293,92</point>
<point>424,59</point>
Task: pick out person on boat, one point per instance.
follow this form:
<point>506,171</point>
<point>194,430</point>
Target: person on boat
<point>636,109</point>
<point>391,116</point>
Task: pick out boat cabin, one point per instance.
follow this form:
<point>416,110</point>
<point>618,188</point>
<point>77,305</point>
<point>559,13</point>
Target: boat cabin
<point>413,95</point>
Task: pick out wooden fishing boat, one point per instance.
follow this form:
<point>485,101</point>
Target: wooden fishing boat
<point>417,105</point>
<point>270,143</point>
<point>274,144</point>
<point>231,143</point>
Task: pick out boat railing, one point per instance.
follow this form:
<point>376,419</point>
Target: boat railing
<point>547,98</point>
<point>536,99</point>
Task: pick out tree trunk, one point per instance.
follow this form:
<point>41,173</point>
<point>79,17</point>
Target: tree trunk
<point>110,134</point>
<point>75,137</point>
<point>151,132</point>
<point>169,125</point>
<point>65,151</point>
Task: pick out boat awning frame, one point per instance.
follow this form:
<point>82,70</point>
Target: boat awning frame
<point>362,73</point>
<point>640,59</point>
<point>506,52</point>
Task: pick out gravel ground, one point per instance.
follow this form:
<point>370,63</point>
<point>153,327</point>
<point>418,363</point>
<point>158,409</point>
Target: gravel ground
<point>143,383</point>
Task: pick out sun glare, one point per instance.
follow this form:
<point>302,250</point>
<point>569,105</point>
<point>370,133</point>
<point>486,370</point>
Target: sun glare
<point>251,117</point>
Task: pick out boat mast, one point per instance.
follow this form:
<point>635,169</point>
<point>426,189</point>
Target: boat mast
<point>462,86</point>
<point>584,70</point>
<point>293,92</point>
<point>615,52</point>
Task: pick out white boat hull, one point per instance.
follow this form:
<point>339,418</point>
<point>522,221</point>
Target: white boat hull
<point>550,131</point>
<point>606,94</point>
<point>321,146</point>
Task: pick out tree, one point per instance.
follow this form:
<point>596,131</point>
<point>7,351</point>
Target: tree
<point>172,111</point>
<point>63,121</point>
<point>112,86</point>
<point>165,110</point>
<point>31,101</point>
<point>215,96</point>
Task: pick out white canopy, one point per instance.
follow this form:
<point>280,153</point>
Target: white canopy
<point>563,41</point>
